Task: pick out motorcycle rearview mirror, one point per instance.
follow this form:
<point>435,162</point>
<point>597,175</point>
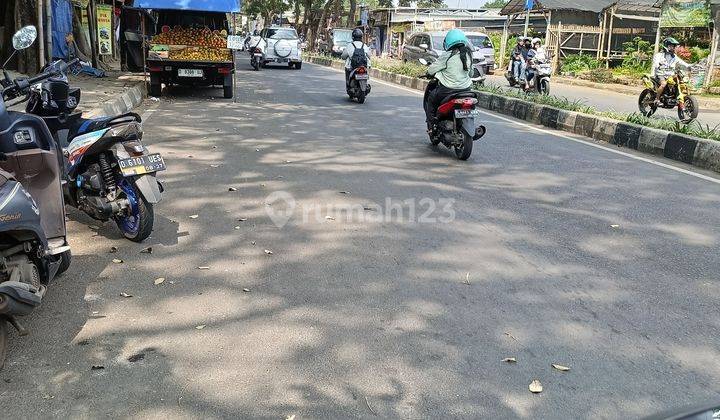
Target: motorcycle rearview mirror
<point>21,40</point>
<point>24,37</point>
<point>423,61</point>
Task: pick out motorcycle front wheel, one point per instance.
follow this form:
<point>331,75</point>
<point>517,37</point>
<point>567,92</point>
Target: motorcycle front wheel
<point>690,112</point>
<point>464,149</point>
<point>137,222</point>
<point>544,87</point>
<point>646,102</point>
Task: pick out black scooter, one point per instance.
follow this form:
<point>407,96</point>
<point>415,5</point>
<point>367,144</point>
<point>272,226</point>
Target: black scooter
<point>33,244</point>
<point>110,174</point>
<point>358,87</point>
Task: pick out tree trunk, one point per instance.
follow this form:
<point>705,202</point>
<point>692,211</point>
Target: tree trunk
<point>351,22</point>
<point>322,22</point>
<point>25,15</point>
<point>307,5</point>
<point>296,13</point>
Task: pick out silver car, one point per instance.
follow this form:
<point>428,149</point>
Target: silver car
<point>282,45</point>
<point>429,46</point>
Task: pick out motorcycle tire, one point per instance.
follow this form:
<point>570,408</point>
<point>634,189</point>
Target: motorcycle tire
<point>144,216</point>
<point>646,102</point>
<point>361,97</point>
<point>544,87</point>
<point>3,341</point>
<point>464,149</point>
<point>691,111</point>
<point>65,259</point>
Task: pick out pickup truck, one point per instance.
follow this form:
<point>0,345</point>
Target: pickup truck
<point>190,48</point>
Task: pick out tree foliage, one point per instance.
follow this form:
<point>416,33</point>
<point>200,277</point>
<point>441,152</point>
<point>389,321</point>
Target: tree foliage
<point>495,4</point>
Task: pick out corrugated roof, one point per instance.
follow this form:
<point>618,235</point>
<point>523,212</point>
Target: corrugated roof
<point>517,6</point>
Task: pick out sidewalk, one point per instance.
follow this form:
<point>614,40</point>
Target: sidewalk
<point>116,93</point>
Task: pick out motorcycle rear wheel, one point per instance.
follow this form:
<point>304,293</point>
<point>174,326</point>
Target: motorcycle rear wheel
<point>691,111</point>
<point>138,225</point>
<point>361,97</point>
<point>646,102</point>
<point>464,149</point>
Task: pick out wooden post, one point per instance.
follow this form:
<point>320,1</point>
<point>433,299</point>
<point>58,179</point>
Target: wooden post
<point>548,20</point>
<point>92,28</point>
<point>610,34</point>
<point>601,41</point>
<point>712,58</point>
<point>556,59</point>
<point>657,34</point>
<point>503,43</point>
<point>41,34</point>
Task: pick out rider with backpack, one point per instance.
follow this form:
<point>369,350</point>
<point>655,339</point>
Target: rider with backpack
<point>356,54</point>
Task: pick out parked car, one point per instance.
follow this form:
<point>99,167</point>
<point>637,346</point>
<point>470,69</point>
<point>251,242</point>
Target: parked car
<point>429,46</point>
<point>339,39</point>
<point>282,45</point>
<point>485,46</point>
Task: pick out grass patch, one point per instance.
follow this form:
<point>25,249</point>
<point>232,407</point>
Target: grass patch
<point>695,129</point>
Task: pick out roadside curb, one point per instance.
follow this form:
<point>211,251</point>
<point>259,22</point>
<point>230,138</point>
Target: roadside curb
<point>633,90</point>
<point>121,104</point>
<point>695,151</point>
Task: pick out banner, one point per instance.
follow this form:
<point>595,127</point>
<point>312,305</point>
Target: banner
<point>685,14</point>
<point>104,28</point>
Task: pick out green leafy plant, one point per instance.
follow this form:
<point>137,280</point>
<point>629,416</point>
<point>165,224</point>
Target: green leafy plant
<point>577,63</point>
<point>638,57</point>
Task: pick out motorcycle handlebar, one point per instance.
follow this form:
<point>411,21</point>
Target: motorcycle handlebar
<point>55,69</point>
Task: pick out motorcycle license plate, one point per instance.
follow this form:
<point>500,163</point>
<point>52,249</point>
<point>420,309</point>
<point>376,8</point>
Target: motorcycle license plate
<point>190,73</point>
<point>361,77</point>
<point>141,165</point>
<point>465,113</point>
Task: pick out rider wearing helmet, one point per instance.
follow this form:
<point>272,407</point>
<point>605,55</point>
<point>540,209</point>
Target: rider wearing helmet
<point>452,70</point>
<point>357,43</point>
<point>665,65</point>
<point>536,54</point>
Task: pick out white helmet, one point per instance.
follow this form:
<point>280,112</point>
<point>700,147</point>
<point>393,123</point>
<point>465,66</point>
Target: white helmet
<point>536,41</point>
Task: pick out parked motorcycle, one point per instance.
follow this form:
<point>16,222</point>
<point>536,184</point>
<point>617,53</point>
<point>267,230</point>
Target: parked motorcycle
<point>454,124</point>
<point>33,244</point>
<point>676,94</point>
<point>358,86</point>
<point>110,174</point>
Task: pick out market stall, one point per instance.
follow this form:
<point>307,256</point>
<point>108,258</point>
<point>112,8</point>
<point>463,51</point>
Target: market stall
<point>187,43</point>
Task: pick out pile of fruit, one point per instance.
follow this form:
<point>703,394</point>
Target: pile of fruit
<point>199,37</point>
<point>200,54</point>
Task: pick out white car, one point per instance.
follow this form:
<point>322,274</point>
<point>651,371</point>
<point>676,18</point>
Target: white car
<point>281,46</point>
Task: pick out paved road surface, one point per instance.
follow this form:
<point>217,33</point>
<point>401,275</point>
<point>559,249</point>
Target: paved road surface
<point>371,316</point>
<point>613,101</point>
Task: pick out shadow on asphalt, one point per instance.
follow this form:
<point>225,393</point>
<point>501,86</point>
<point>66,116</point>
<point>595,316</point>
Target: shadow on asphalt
<point>400,319</point>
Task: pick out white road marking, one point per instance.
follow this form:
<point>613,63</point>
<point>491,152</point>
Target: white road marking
<point>528,125</point>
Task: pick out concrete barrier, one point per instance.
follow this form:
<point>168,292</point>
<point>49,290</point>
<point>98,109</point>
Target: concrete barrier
<point>698,152</point>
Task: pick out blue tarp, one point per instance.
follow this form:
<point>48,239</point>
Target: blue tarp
<point>227,6</point>
<point>62,15</point>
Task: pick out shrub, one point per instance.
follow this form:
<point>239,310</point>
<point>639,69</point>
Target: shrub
<point>684,53</point>
<point>578,63</point>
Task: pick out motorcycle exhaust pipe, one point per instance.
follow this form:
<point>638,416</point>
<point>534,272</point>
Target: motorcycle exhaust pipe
<point>18,298</point>
<point>479,132</point>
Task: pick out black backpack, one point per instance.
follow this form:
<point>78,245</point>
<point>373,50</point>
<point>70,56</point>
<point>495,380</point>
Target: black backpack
<point>358,59</point>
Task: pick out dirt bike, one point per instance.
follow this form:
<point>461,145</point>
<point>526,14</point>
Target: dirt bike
<point>676,94</point>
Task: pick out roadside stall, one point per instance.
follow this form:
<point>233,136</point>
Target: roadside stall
<point>187,43</point>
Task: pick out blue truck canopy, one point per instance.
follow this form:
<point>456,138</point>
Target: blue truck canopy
<point>227,6</point>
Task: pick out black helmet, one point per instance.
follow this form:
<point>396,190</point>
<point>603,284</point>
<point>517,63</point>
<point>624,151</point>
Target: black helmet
<point>357,34</point>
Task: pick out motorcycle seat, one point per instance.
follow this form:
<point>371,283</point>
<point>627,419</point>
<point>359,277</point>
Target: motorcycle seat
<point>88,125</point>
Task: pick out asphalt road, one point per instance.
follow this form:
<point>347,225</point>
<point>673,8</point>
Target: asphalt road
<point>606,100</point>
<point>364,309</point>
